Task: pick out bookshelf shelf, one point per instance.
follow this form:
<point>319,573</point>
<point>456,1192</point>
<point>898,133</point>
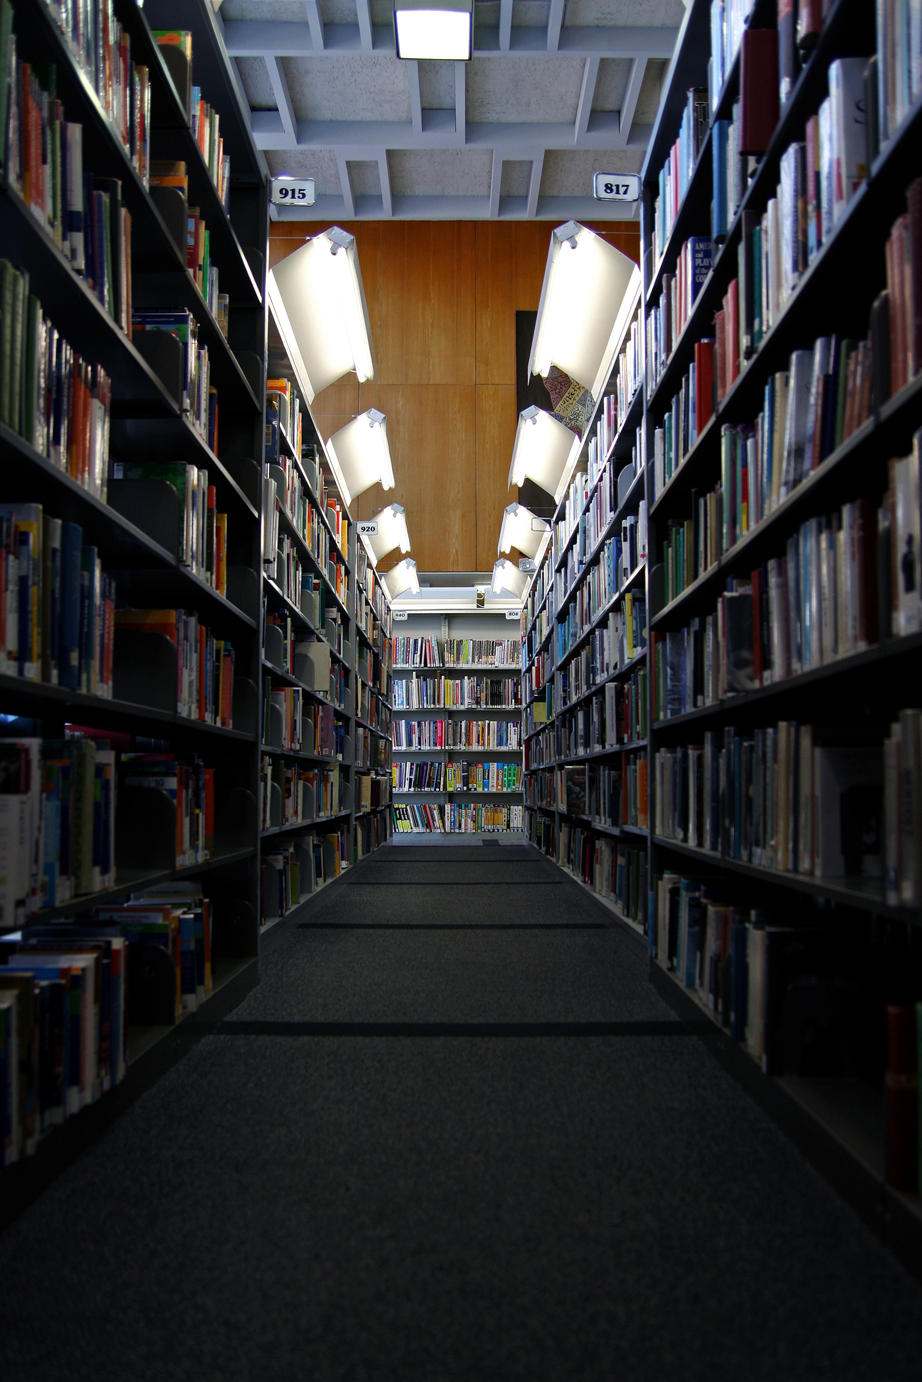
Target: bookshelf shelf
<point>174,815</point>
<point>819,712</point>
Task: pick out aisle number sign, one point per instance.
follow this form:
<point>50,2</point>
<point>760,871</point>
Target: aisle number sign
<point>292,191</point>
<point>368,527</point>
<point>616,187</point>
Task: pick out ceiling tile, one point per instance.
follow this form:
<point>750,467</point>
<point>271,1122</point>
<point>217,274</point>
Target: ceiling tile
<point>374,86</point>
<point>516,88</point>
<point>455,173</point>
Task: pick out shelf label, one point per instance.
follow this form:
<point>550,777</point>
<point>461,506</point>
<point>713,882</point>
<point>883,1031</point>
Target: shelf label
<point>526,563</point>
<point>368,527</point>
<point>513,614</point>
<point>399,613</point>
<point>292,191</point>
<point>616,187</point>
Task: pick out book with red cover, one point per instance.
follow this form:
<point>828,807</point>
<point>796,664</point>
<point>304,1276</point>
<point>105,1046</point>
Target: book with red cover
<point>704,384</point>
<point>758,89</point>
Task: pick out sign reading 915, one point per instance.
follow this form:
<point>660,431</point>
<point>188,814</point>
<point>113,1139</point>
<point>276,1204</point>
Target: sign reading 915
<point>292,191</point>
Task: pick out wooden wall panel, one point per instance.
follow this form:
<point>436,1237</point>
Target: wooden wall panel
<point>442,298</point>
<point>495,434</point>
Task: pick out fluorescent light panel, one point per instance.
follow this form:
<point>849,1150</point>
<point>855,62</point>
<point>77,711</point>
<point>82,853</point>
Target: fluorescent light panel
<point>508,579</point>
<point>434,29</point>
<point>392,532</point>
<point>545,450</point>
<point>588,290</point>
<point>521,529</point>
<point>320,288</point>
<point>359,455</point>
<point>401,579</point>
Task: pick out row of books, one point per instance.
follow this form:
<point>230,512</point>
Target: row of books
<point>57,823</point>
<point>70,989</point>
<point>413,693</point>
<point>372,750</point>
<point>455,818</point>
<point>796,797</point>
<point>292,793</point>
<point>456,734</point>
<point>204,120</point>
<point>292,871</point>
<point>778,979</point>
<point>202,665</point>
<point>667,319</point>
<point>83,211</point>
<point>201,528</point>
<point>49,395</point>
<point>371,707</point>
<point>189,784</point>
<point>617,623</point>
<point>102,49</point>
<point>607,579</point>
<point>423,775</point>
<point>675,175</point>
<point>284,420</point>
<point>197,400</point>
<point>57,605</point>
<point>610,794</point>
<point>314,527</point>
<point>371,669</point>
<point>687,416</point>
<point>614,714</point>
<point>371,792</point>
<point>613,869</point>
<point>372,829</point>
<point>456,652</point>
<point>300,723</point>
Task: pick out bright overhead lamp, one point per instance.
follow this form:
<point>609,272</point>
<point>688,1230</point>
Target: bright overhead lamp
<point>586,299</point>
<point>319,287</point>
<point>391,532</point>
<point>359,455</point>
<point>440,29</point>
<point>521,529</point>
<point>545,450</point>
<point>401,579</point>
<point>508,579</point>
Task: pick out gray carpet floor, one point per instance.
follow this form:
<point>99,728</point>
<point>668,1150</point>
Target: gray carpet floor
<point>453,1136</point>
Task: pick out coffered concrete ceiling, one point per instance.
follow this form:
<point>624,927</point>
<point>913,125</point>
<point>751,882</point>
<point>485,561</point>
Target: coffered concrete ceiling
<point>557,90</point>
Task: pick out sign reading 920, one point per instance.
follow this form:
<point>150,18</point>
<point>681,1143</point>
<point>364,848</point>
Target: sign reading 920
<point>292,191</point>
<point>616,187</point>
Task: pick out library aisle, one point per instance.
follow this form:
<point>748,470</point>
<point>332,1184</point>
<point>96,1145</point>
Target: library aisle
<point>453,1134</point>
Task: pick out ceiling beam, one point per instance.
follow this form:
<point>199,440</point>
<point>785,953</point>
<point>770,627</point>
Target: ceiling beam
<point>534,182</point>
<point>496,183</point>
<point>586,95</point>
<point>632,95</point>
<point>416,100</point>
<point>516,140</point>
<point>461,101</point>
<point>314,22</point>
<point>384,177</point>
<point>282,100</point>
<point>363,12</point>
<point>249,38</point>
<point>505,24</point>
<point>345,182</point>
<point>554,24</point>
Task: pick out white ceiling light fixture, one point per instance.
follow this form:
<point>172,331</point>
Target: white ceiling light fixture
<point>325,324</point>
<point>587,294</point>
<point>545,450</point>
<point>521,529</point>
<point>392,532</point>
<point>509,580</point>
<point>434,29</point>
<point>401,579</point>
<point>359,455</point>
